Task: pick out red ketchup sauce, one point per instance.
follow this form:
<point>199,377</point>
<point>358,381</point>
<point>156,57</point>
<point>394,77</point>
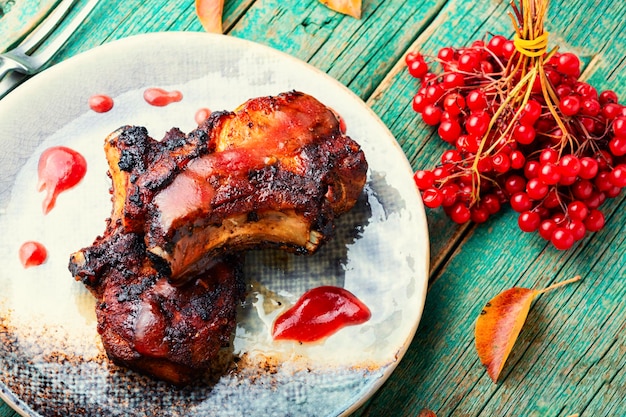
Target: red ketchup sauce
<point>319,313</point>
<point>32,254</point>
<point>160,97</point>
<point>100,103</point>
<point>59,169</point>
<point>201,115</point>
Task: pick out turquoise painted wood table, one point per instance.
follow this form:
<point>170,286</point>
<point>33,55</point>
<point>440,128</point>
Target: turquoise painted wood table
<point>570,358</point>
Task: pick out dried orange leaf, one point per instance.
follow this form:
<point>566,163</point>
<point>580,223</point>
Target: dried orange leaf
<point>500,323</point>
<point>425,412</point>
<point>209,13</point>
<point>349,7</point>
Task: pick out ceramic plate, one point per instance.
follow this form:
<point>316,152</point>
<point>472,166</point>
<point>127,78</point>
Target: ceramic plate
<point>51,359</point>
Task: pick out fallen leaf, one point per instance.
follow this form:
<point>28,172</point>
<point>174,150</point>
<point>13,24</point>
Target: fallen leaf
<point>209,13</point>
<point>349,7</point>
<point>500,323</point>
<point>425,412</point>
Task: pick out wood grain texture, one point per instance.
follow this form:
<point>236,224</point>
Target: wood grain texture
<point>571,355</point>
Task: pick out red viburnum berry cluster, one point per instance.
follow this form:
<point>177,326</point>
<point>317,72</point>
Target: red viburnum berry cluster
<point>555,152</point>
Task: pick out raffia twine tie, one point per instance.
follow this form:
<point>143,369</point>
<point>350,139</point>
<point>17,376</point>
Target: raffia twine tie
<point>531,47</point>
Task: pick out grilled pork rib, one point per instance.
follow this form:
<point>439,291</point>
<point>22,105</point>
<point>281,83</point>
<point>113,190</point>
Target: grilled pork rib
<point>276,172</point>
<point>145,323</point>
<point>166,272</point>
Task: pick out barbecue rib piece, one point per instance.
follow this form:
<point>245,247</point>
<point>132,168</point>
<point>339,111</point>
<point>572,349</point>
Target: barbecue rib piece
<point>145,323</point>
<point>166,273</point>
<point>276,172</point>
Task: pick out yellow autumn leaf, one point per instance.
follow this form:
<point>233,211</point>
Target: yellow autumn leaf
<point>349,7</point>
<point>500,323</point>
<point>209,13</point>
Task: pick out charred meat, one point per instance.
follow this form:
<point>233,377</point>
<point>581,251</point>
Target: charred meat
<point>276,172</point>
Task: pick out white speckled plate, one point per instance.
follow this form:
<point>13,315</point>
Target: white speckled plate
<point>51,359</point>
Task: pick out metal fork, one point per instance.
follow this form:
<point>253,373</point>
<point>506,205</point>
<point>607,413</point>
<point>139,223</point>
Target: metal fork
<point>22,59</point>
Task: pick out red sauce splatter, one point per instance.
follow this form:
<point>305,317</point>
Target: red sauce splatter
<point>319,313</point>
<point>201,115</point>
<point>160,97</point>
<point>32,254</point>
<point>100,103</point>
<point>60,169</point>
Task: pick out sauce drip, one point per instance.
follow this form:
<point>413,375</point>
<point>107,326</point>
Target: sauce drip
<point>100,103</point>
<point>160,97</point>
<point>201,115</point>
<point>32,254</point>
<point>59,169</point>
<point>319,313</point>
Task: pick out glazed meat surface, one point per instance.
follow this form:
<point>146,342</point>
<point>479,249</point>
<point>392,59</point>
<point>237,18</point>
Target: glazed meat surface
<point>147,324</point>
<point>167,271</point>
<point>275,172</point>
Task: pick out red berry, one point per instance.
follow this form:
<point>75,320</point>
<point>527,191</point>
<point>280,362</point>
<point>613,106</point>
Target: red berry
<point>531,169</point>
<point>520,202</point>
<point>477,123</point>
<point>569,165</point>
<point>536,189</point>
<point>518,160</point>
<point>508,49</point>
<point>548,155</point>
<point>459,213</point>
<point>568,64</point>
<point>419,102</point>
<point>549,173</point>
<point>588,168</point>
<point>424,179</point>
<point>546,228</point>
<point>618,176</point>
<point>530,113</point>
<point>431,115</point>
<point>469,62</point>
<point>617,145</point>
<point>432,197</point>
<point>576,228</point>
<point>446,54</point>
<point>418,68</point>
<point>569,105</point>
<point>607,97</point>
<point>524,134</point>
<point>449,130</point>
<point>582,189</point>
<point>491,202</point>
<point>454,103</point>
<point>495,45</point>
<point>476,100</point>
<point>577,210</point>
<point>501,162</point>
<point>528,221</point>
<point>479,214</point>
<point>450,193</point>
<point>619,126</point>
<point>514,184</point>
<point>562,238</point>
<point>594,221</point>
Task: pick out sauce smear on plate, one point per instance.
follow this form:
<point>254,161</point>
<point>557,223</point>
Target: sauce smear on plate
<point>60,168</point>
<point>32,254</point>
<point>160,97</point>
<point>319,313</point>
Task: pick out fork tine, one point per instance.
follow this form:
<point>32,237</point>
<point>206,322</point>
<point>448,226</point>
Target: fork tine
<point>41,32</point>
<point>60,38</point>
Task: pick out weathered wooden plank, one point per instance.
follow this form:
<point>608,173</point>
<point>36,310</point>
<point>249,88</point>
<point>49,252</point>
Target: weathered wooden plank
<point>358,53</point>
<point>440,370</point>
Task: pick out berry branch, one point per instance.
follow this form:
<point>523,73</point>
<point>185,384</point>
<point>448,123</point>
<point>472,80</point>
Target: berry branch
<point>525,130</point>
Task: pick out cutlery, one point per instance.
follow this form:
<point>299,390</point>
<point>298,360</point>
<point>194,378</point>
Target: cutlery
<point>26,59</point>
